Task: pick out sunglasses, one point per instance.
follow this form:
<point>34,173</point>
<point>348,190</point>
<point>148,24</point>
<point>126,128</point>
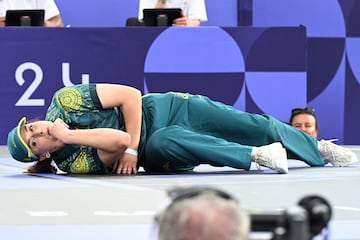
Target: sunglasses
<point>307,110</point>
<point>190,192</point>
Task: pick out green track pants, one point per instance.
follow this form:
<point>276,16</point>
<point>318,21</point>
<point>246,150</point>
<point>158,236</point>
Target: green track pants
<point>181,131</point>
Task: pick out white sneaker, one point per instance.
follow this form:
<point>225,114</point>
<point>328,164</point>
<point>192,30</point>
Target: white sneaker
<point>272,156</point>
<point>336,155</point>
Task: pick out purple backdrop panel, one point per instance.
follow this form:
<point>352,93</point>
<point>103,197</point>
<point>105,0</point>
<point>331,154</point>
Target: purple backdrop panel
<point>333,32</point>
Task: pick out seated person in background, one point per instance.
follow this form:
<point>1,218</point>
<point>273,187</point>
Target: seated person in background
<point>194,11</point>
<point>202,213</point>
<point>52,14</point>
<point>305,120</point>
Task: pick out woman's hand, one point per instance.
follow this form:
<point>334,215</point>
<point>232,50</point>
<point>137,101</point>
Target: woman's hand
<point>110,143</point>
<point>127,164</point>
<point>59,130</point>
<point>183,21</point>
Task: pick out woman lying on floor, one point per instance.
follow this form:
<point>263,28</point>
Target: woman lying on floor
<point>109,128</point>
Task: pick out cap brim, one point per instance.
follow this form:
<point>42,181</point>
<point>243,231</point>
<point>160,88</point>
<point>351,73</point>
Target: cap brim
<point>17,145</point>
<point>21,123</point>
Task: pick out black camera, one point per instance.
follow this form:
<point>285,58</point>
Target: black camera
<point>302,222</point>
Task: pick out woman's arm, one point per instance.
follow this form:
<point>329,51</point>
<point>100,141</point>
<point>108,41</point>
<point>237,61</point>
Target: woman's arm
<point>129,98</point>
<point>112,95</point>
<point>110,143</point>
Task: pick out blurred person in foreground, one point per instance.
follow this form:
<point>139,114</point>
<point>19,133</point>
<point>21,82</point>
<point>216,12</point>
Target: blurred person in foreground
<point>202,213</point>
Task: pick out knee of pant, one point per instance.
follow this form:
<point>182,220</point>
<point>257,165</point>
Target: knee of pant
<point>159,142</point>
<point>157,152</point>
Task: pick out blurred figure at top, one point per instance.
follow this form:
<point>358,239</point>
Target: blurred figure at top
<point>193,11</point>
<point>52,13</point>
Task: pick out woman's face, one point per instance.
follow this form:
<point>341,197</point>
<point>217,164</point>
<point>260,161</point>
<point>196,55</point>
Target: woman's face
<point>306,123</point>
<point>37,137</point>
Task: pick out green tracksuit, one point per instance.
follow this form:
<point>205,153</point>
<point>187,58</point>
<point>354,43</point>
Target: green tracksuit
<point>183,131</point>
<point>179,131</point>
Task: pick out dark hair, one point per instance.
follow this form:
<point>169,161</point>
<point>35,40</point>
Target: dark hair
<point>44,166</point>
<point>307,110</point>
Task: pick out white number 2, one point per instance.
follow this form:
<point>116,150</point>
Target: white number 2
<point>25,100</point>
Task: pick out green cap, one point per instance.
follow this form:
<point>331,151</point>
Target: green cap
<point>18,148</point>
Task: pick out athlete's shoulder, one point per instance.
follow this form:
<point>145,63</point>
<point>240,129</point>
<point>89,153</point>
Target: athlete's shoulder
<point>71,98</point>
<point>75,88</point>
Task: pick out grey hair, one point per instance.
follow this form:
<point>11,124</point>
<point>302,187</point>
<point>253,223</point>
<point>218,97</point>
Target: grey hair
<point>204,217</point>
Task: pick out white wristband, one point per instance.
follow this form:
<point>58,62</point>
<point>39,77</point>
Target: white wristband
<point>131,151</point>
